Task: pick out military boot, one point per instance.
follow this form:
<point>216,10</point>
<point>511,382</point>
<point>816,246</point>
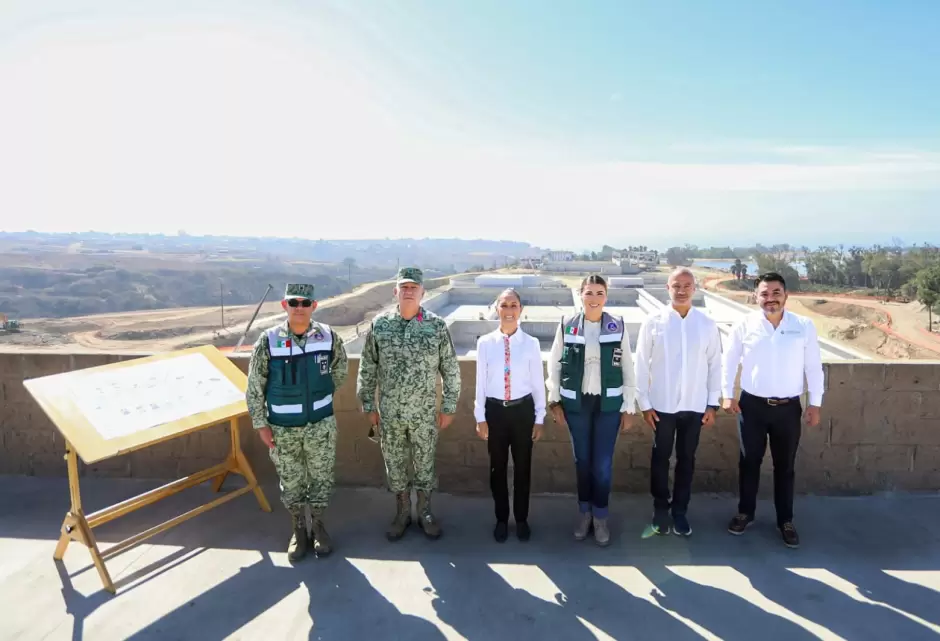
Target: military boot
<point>425,518</point>
<point>297,548</point>
<point>319,537</point>
<point>402,517</point>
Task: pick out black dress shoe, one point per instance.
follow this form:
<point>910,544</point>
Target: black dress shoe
<point>523,531</point>
<point>501,531</point>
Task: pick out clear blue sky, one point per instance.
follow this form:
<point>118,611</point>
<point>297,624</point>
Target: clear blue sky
<point>660,121</point>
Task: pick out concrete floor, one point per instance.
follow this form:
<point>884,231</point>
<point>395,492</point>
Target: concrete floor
<point>869,569</point>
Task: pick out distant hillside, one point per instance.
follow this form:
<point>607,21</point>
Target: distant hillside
<point>61,275</point>
<point>448,255</point>
<point>57,293</point>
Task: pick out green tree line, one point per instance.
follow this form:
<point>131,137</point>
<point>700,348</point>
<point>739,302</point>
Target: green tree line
<point>912,272</point>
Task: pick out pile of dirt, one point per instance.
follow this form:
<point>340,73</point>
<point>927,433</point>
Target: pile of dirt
<point>145,334</point>
<point>877,342</point>
<point>34,338</point>
<point>836,309</point>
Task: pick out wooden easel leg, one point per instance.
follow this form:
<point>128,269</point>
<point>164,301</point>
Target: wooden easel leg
<point>84,532</point>
<point>64,540</point>
<point>244,468</point>
<point>219,480</point>
<point>75,526</point>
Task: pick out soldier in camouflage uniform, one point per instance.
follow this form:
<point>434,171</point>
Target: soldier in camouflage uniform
<point>295,368</point>
<point>403,354</point>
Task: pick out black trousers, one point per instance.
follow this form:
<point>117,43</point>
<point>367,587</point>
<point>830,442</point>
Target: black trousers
<point>782,424</point>
<point>510,430</point>
<point>681,429</point>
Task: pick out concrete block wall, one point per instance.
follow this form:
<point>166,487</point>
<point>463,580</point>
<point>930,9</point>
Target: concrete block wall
<point>880,431</point>
<point>466,332</point>
<point>436,301</point>
<point>622,297</point>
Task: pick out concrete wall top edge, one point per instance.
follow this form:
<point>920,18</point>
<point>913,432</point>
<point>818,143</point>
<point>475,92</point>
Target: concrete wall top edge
<point>246,356</point>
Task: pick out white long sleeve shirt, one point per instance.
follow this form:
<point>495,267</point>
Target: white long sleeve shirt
<point>774,361</point>
<point>526,375</point>
<point>591,383</point>
<point>678,362</point>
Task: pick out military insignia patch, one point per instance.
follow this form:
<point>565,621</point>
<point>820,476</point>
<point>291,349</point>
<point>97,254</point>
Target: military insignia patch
<point>611,326</point>
<point>618,356</point>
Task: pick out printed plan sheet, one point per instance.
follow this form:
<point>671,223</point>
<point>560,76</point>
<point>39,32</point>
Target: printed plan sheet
<point>131,399</point>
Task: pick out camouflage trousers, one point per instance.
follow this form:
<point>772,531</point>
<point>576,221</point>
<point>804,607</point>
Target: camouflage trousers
<point>406,443</point>
<point>304,458</point>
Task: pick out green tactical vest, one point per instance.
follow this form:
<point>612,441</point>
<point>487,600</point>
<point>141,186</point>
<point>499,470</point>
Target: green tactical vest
<point>572,363</point>
<point>299,388</point>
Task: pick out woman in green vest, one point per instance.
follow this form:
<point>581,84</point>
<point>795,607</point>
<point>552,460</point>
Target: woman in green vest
<point>591,388</point>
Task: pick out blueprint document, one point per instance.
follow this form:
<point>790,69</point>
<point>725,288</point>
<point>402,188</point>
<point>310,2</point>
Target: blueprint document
<point>130,399</point>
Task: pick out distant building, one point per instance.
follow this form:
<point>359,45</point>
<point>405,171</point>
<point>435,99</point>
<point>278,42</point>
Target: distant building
<point>558,256</point>
<point>642,256</point>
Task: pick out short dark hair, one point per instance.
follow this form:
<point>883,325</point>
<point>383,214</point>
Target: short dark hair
<point>593,279</point>
<point>770,277</point>
<point>512,291</point>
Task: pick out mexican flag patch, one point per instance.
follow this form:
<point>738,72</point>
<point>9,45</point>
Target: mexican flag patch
<point>283,343</point>
<point>571,330</point>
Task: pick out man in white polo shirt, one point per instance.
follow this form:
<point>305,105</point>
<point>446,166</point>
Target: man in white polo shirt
<point>776,349</point>
<point>678,384</point>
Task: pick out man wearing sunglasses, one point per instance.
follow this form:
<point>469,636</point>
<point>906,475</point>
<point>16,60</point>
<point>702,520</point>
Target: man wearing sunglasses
<point>404,351</point>
<point>295,368</point>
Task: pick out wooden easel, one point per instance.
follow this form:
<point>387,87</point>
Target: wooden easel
<point>77,526</point>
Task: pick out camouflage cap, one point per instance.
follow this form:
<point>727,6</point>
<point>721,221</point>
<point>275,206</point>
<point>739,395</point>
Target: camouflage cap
<point>410,275</point>
<point>298,290</point>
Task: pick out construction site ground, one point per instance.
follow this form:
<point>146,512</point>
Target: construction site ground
<point>171,329</point>
<point>886,330</point>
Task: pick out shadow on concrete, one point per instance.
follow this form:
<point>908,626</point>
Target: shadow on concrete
<point>465,585</point>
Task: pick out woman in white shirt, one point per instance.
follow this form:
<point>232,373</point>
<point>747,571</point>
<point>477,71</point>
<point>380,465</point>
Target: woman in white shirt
<point>591,387</point>
<point>510,410</point>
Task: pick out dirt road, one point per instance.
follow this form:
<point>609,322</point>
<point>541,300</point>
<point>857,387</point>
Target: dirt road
<point>881,330</point>
<point>171,329</point>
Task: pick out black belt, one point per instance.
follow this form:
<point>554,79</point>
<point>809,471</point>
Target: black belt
<point>517,401</point>
<point>774,400</point>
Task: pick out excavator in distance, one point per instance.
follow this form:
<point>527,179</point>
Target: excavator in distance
<point>8,324</point>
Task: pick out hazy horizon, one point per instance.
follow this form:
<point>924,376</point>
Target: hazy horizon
<point>602,123</point>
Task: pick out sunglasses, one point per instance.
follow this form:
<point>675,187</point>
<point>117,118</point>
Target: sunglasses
<point>302,302</point>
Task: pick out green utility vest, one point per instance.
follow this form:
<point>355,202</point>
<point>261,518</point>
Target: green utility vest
<point>299,388</point>
<point>572,363</point>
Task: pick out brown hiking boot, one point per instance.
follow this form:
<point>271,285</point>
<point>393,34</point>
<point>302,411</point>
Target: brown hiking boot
<point>601,532</point>
<point>297,548</point>
<point>319,537</point>
<point>402,517</point>
<point>425,518</point>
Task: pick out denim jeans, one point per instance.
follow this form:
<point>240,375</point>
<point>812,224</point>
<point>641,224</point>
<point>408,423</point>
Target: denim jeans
<point>593,437</point>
